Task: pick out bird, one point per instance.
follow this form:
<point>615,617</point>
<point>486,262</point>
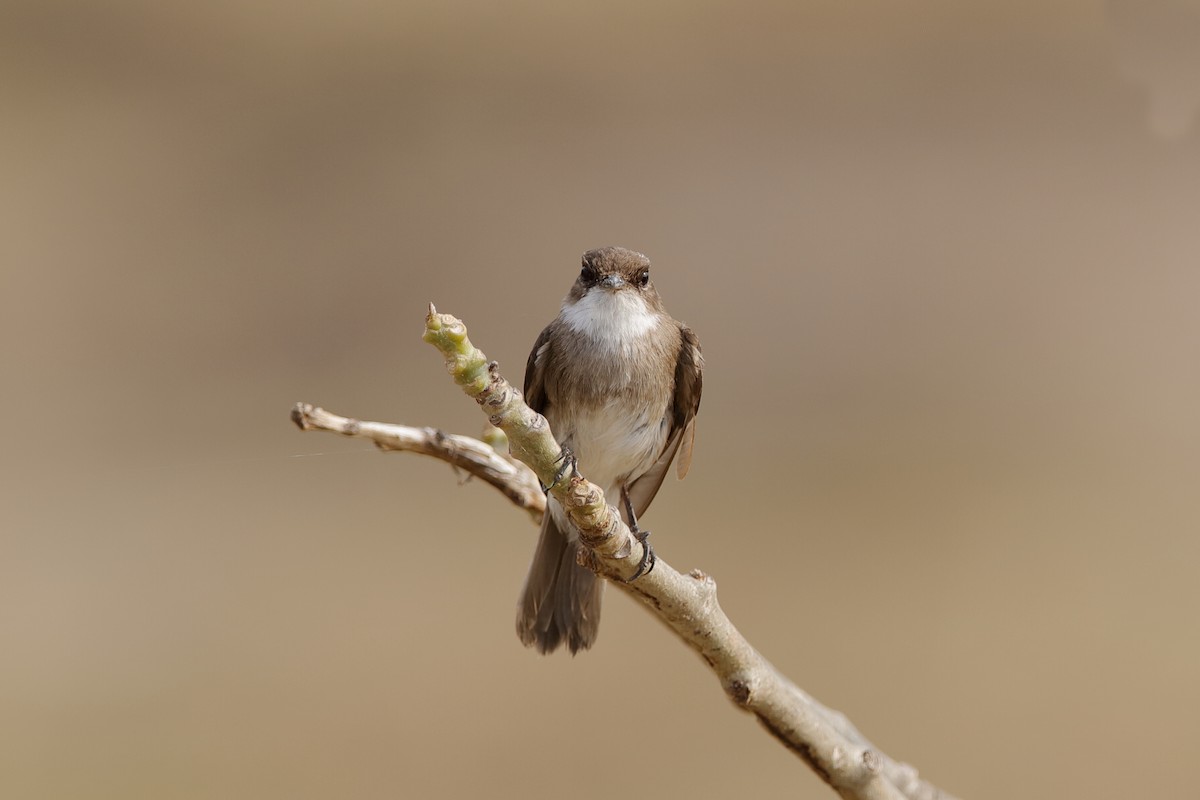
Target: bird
<point>619,380</point>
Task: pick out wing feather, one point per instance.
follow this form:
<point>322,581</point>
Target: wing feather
<point>689,369</point>
<point>535,372</point>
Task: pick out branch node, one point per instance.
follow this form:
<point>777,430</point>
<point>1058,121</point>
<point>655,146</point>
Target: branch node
<point>497,398</point>
<point>578,493</point>
<point>300,415</point>
<point>740,689</point>
<point>706,588</point>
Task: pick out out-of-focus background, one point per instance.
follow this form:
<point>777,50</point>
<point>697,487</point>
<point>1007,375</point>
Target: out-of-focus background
<point>944,259</point>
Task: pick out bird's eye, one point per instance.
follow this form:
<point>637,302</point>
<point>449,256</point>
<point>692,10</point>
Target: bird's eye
<point>643,277</point>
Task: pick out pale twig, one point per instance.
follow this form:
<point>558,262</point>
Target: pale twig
<point>825,739</point>
<point>484,460</point>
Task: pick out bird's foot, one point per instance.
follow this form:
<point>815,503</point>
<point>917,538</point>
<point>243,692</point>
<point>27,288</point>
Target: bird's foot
<point>646,565</point>
<point>566,463</point>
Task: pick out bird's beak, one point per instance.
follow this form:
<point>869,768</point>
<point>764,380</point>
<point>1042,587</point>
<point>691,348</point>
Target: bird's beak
<point>612,281</point>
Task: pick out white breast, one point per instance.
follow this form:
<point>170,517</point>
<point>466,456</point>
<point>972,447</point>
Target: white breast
<point>613,319</point>
<point>612,445</point>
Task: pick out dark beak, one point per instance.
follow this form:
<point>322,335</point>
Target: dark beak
<point>612,281</point>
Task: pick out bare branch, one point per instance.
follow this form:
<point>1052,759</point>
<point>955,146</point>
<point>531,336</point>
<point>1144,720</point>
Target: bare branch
<point>484,460</point>
<point>823,738</point>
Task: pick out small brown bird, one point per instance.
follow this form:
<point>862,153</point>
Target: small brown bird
<point>619,381</point>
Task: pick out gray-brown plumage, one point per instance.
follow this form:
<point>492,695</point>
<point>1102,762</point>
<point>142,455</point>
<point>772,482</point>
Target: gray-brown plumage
<point>619,381</point>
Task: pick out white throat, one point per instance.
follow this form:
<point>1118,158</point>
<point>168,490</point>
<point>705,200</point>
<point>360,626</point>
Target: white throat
<point>612,319</point>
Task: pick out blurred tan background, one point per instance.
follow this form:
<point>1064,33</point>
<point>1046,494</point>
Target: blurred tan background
<point>943,259</point>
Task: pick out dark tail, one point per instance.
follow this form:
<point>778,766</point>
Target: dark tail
<point>561,600</point>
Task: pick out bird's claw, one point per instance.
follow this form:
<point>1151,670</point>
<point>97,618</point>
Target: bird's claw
<point>646,565</point>
<point>567,464</point>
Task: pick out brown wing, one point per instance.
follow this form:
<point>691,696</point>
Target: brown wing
<point>689,380</point>
<point>535,373</point>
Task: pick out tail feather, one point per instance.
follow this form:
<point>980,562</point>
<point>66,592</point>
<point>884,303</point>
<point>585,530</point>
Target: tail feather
<point>561,599</point>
